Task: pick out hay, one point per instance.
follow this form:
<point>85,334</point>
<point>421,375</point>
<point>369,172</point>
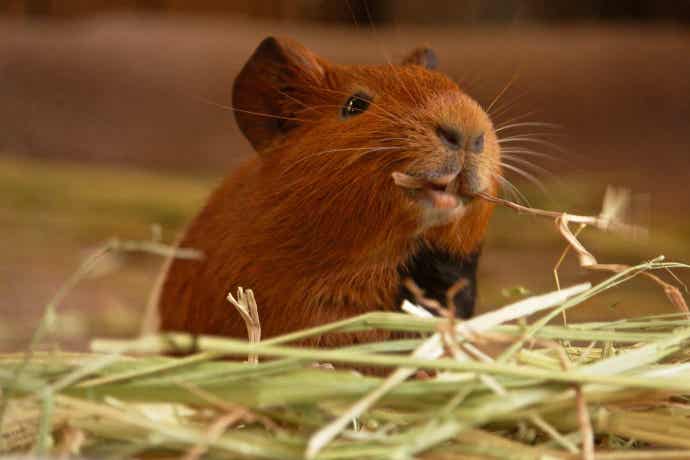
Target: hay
<point>508,384</point>
<point>628,379</point>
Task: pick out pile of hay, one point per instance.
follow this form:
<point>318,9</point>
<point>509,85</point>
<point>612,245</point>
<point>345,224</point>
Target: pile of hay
<point>608,390</point>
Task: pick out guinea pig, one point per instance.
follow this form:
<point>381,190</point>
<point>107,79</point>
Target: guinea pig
<point>364,175</point>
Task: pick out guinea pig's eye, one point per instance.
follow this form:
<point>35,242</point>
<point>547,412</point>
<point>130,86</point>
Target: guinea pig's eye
<point>355,105</point>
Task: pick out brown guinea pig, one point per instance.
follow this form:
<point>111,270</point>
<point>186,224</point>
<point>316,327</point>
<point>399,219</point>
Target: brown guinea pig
<point>364,175</point>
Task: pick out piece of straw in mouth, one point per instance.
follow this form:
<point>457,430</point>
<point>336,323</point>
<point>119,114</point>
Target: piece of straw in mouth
<point>609,219</point>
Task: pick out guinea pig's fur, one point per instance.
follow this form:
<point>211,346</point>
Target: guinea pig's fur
<point>315,223</point>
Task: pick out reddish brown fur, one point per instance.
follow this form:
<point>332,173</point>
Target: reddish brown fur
<point>314,224</point>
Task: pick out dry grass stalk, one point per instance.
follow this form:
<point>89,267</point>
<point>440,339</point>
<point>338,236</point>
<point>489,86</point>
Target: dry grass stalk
<point>607,219</point>
<point>246,306</point>
<point>446,328</point>
<point>553,433</point>
<point>70,442</point>
<point>560,260</point>
<point>86,268</point>
<point>191,409</point>
<point>421,298</point>
<point>215,431</point>
<point>614,205</point>
<point>219,404</point>
<point>454,290</point>
<point>20,428</point>
<point>585,423</point>
<point>581,404</point>
<point>456,340</point>
<point>433,348</point>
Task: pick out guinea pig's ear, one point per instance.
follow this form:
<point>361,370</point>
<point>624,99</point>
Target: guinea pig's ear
<point>266,93</point>
<point>423,56</point>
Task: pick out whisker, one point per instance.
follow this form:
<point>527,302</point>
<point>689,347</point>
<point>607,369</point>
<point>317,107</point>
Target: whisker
<point>507,106</point>
<point>530,177</point>
<point>507,190</point>
<point>379,116</point>
<point>529,152</point>
<point>400,80</point>
<point>527,123</point>
<point>533,135</point>
<point>258,114</point>
<point>532,140</point>
<point>366,151</point>
<point>501,92</point>
<point>514,191</point>
<point>390,116</point>
<point>347,149</point>
<point>516,118</point>
<point>526,162</point>
<point>283,93</point>
<point>539,169</point>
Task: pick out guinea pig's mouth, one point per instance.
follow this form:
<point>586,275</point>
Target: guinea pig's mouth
<point>440,192</point>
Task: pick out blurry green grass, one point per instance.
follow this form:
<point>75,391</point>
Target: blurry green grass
<point>53,214</point>
<point>92,203</point>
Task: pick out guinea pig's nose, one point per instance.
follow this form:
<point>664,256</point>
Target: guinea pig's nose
<point>450,137</point>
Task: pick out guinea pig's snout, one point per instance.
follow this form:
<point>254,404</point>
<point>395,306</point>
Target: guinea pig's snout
<point>449,136</point>
<point>460,152</point>
<point>452,155</point>
<point>453,139</point>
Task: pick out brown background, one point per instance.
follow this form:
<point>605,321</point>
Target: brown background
<point>135,91</point>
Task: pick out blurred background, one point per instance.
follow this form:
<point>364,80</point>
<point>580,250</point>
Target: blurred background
<point>114,120</point>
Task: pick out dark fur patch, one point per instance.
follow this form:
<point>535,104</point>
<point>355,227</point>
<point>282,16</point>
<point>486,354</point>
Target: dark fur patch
<point>435,271</point>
